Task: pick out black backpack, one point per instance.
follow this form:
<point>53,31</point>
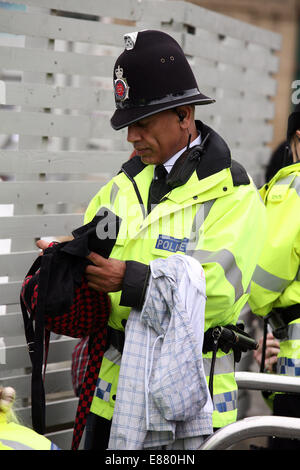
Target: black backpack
<point>55,298</point>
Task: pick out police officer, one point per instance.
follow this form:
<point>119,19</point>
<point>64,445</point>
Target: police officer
<point>180,193</point>
<point>275,291</point>
<point>14,436</point>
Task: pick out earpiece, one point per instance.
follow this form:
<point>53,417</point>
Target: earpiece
<point>181,115</point>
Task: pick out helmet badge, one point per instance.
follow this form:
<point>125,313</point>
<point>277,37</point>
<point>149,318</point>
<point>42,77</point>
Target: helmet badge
<point>130,39</point>
<point>121,85</point>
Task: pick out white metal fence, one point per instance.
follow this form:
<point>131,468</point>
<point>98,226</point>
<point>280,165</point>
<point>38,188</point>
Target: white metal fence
<point>57,147</point>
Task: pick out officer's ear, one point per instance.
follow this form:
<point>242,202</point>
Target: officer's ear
<point>185,115</point>
<point>181,116</point>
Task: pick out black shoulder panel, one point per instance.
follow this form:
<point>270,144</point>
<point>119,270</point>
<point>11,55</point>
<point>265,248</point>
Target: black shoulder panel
<point>239,174</point>
<point>133,166</point>
<point>216,155</point>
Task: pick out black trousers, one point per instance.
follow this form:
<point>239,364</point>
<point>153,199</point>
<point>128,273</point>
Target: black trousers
<point>97,432</point>
<point>285,405</point>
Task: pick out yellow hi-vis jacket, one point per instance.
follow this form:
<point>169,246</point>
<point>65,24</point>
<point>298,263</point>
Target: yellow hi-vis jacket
<point>217,216</point>
<point>276,281</point>
<point>14,436</point>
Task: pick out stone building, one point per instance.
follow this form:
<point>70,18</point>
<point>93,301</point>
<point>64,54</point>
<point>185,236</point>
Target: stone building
<point>281,17</point>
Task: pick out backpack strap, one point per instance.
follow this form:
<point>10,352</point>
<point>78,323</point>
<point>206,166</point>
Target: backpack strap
<point>35,340</point>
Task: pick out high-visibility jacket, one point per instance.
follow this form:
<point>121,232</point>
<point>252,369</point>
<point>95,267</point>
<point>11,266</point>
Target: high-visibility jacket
<point>217,216</point>
<point>276,280</point>
<point>13,436</point>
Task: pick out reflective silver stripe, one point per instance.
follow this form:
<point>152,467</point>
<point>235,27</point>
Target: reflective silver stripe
<point>292,181</point>
<point>293,332</point>
<point>288,366</point>
<point>184,94</point>
<point>223,365</point>
<point>296,185</point>
<point>226,401</point>
<point>285,181</point>
<point>16,445</point>
<point>223,257</point>
<point>113,193</point>
<point>103,388</point>
<point>113,355</point>
<point>207,206</point>
<point>226,259</point>
<point>198,221</point>
<point>54,446</point>
<point>269,281</point>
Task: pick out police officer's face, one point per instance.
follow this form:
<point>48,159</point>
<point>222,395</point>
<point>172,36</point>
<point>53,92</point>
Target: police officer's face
<point>295,145</point>
<point>158,137</point>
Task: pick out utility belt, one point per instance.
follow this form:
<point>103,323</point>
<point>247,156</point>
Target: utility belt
<point>226,338</point>
<point>115,338</point>
<point>278,319</point>
<point>219,337</point>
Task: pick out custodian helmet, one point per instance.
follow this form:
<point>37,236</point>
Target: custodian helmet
<point>152,75</point>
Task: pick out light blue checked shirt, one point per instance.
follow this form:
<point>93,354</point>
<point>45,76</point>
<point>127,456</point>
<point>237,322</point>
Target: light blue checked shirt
<point>163,397</point>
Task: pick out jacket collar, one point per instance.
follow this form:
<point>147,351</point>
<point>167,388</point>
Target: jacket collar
<point>216,156</point>
<point>282,178</point>
<point>285,171</point>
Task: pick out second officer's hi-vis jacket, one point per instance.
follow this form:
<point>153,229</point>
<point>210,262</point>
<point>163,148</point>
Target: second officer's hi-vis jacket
<point>14,436</point>
<point>217,217</point>
<point>276,281</point>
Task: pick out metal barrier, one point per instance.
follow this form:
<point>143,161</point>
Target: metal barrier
<point>258,426</point>
<point>274,382</point>
<point>255,426</point>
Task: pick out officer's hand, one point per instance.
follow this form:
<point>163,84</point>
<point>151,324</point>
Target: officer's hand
<point>42,244</point>
<point>272,350</point>
<point>106,275</point>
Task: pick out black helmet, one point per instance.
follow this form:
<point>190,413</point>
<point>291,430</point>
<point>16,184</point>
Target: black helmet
<point>152,75</point>
<point>293,122</point>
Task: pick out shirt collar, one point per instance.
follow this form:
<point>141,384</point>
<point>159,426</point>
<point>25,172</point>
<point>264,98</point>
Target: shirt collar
<point>169,163</point>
